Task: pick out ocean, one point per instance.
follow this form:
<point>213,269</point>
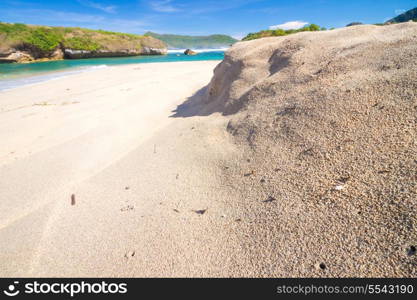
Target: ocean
<point>16,75</point>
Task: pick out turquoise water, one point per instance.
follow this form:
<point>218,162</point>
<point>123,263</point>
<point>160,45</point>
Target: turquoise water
<point>14,75</point>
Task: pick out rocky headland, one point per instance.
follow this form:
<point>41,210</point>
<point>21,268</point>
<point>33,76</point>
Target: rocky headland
<point>22,43</point>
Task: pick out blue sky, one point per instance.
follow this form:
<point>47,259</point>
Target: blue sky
<point>199,17</point>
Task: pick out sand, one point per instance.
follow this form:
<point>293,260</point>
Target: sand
<point>327,121</point>
<point>137,175</point>
<point>296,159</point>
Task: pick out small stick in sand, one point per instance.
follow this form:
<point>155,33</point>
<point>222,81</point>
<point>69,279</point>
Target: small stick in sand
<point>72,199</point>
<point>249,174</point>
<point>270,199</point>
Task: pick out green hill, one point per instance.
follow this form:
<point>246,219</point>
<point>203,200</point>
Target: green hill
<point>280,32</point>
<point>20,42</point>
<point>195,42</point>
<point>405,17</point>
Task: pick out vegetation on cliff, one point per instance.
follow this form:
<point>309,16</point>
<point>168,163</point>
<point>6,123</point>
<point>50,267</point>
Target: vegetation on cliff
<point>410,15</point>
<point>40,41</point>
<point>280,32</point>
<point>194,42</point>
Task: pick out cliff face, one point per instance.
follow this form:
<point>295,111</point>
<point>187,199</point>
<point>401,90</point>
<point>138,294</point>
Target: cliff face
<point>23,43</point>
<point>22,55</point>
<point>328,120</point>
<point>76,54</point>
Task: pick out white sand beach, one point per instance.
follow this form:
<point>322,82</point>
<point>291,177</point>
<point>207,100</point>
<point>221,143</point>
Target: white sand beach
<point>137,175</point>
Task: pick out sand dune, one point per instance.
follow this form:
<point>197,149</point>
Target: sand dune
<point>328,121</point>
<point>298,158</point>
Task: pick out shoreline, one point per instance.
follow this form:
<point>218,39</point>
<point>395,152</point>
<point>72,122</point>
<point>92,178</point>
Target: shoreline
<point>29,79</point>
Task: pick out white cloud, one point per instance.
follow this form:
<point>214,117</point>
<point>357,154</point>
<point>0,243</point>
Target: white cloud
<point>111,9</point>
<point>399,11</point>
<point>289,25</point>
<point>164,6</point>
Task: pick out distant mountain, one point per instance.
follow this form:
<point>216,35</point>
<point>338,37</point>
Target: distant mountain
<point>405,17</point>
<point>175,41</point>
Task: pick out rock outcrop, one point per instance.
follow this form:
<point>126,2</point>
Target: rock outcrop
<point>15,56</point>
<point>77,54</point>
<point>190,52</point>
<point>154,51</point>
<point>25,56</point>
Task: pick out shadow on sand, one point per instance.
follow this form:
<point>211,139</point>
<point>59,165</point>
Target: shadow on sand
<point>193,106</point>
<point>196,106</point>
<point>199,105</point>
